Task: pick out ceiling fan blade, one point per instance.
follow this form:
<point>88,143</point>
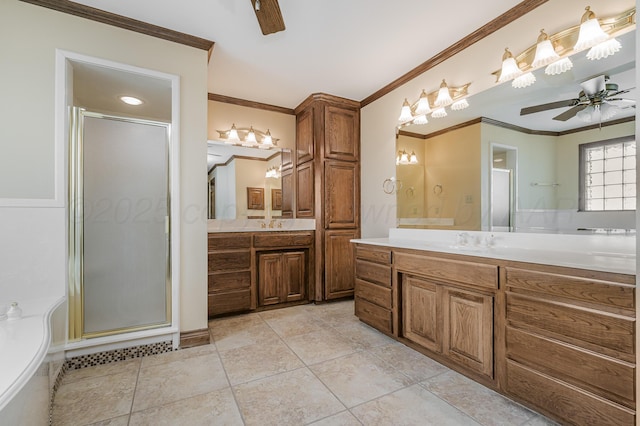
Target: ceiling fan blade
<point>621,92</point>
<point>551,105</point>
<point>269,15</point>
<point>570,113</point>
<point>593,86</point>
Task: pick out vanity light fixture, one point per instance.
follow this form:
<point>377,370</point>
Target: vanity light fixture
<point>423,107</point>
<point>444,97</point>
<point>273,172</point>
<point>250,140</point>
<point>510,67</point>
<point>267,140</point>
<point>403,158</point>
<point>593,36</point>
<point>405,113</point>
<point>232,136</point>
<point>249,137</point>
<point>131,100</point>
<point>545,52</point>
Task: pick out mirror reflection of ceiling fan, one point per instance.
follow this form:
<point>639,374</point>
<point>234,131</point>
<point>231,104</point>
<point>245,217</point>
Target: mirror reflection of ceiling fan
<point>269,16</point>
<point>597,101</point>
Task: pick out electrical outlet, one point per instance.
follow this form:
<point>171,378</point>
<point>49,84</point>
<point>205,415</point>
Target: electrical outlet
<point>468,199</point>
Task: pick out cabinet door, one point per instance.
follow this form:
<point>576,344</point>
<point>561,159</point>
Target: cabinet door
<point>305,190</point>
<point>421,319</point>
<point>468,329</point>
<point>287,193</point>
<point>304,136</point>
<point>294,275</point>
<point>342,195</point>
<point>339,263</point>
<point>269,278</point>
<point>342,133</point>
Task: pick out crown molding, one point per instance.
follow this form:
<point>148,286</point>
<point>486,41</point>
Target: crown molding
<point>250,104</point>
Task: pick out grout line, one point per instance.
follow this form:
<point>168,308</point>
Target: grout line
<point>135,390</point>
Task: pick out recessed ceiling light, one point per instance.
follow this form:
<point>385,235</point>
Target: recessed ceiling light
<point>130,100</point>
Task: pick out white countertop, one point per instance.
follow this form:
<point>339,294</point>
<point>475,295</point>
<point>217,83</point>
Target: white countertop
<point>24,344</point>
<point>607,253</point>
<point>260,225</point>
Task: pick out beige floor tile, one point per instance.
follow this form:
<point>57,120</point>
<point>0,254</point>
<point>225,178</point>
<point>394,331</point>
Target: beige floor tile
<point>129,366</point>
<point>413,364</point>
<point>336,319</point>
<point>94,399</point>
<point>539,420</point>
<point>117,421</point>
<point>359,377</point>
<point>479,402</point>
<point>411,406</point>
<point>292,398</point>
<point>363,335</point>
<point>164,383</point>
<point>321,345</point>
<point>164,358</point>
<point>258,361</point>
<point>214,408</point>
<point>286,312</point>
<point>295,325</point>
<point>228,337</point>
<point>341,419</point>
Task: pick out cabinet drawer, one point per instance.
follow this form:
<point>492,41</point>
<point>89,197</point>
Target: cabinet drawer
<point>379,274</point>
<point>471,273</point>
<point>229,260</point>
<point>584,289</point>
<point>373,315</point>
<point>235,301</point>
<point>381,296</point>
<point>373,255</point>
<point>265,240</point>
<point>598,374</point>
<point>569,403</point>
<point>229,241</point>
<point>229,281</point>
<point>572,324</point>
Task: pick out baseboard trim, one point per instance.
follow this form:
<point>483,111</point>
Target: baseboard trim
<point>190,339</point>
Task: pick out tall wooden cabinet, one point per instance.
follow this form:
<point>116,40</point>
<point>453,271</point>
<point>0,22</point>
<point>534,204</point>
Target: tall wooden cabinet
<point>327,187</point>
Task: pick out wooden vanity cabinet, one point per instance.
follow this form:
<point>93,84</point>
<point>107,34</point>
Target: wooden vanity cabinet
<point>327,187</point>
<point>448,312</point>
<point>373,287</point>
<point>254,270</point>
<point>570,343</point>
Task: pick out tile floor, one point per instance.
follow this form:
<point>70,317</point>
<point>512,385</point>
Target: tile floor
<point>303,365</point>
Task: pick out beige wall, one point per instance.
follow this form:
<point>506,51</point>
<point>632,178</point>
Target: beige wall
<point>29,37</point>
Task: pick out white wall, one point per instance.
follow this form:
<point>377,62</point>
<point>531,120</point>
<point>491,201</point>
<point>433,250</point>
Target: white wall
<point>29,37</point>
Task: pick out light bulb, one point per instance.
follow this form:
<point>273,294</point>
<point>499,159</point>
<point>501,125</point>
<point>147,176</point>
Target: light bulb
<point>510,68</point>
<point>423,104</point>
<point>405,113</point>
<point>545,53</point>
<point>444,97</point>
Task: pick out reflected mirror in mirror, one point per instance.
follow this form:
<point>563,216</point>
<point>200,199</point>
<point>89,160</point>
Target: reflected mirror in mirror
<point>488,167</point>
<point>233,169</point>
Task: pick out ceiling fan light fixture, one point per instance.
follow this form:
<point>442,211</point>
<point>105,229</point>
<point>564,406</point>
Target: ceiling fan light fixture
<point>525,80</point>
<point>439,113</point>
<point>604,49</point>
<point>423,104</point>
<point>420,119</point>
<point>405,113</point>
<point>545,53</point>
<point>590,31</point>
<point>510,67</point>
<point>460,104</point>
<point>558,67</point>
<point>444,97</point>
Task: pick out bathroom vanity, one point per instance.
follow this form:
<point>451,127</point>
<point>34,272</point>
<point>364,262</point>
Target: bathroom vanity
<point>259,265</point>
<point>548,320</point>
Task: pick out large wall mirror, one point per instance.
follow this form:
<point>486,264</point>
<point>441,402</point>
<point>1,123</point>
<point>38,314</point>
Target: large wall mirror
<point>246,182</point>
<point>488,167</point>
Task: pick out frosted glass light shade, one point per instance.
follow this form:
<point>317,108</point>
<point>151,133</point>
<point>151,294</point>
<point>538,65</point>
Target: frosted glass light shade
<point>558,67</point>
<point>267,141</point>
<point>590,31</point>
<point>545,54</point>
<point>444,97</point>
<point>423,104</point>
<point>439,113</point>
<point>414,158</point>
<point>251,136</point>
<point>525,80</point>
<point>405,113</point>
<point>510,68</point>
<point>404,158</point>
<point>420,119</point>
<point>604,49</point>
<point>459,105</point>
<point>232,137</point>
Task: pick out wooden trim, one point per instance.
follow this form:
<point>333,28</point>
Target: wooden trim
<point>190,339</point>
<point>124,22</point>
<point>250,104</point>
<point>239,157</point>
<point>597,126</point>
<point>503,20</point>
<point>452,128</point>
<point>333,100</point>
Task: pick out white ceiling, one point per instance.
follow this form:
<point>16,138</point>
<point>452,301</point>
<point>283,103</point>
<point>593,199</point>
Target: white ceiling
<point>347,48</point>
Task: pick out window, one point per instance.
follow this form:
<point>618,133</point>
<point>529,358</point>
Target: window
<point>608,175</point>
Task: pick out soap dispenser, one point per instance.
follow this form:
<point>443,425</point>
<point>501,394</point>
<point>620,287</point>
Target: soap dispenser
<point>14,312</point>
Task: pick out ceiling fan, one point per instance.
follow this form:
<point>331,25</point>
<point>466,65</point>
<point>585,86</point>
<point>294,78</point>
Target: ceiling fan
<point>597,96</point>
<point>269,15</point>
